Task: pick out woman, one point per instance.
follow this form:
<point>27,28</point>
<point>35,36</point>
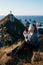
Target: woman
<point>32,37</point>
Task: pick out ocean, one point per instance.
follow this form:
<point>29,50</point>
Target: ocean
<point>30,19</point>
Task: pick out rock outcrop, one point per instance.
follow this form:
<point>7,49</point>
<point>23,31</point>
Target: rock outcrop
<point>10,29</point>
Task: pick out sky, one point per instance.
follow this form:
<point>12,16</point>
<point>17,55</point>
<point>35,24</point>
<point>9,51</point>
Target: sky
<point>21,7</point>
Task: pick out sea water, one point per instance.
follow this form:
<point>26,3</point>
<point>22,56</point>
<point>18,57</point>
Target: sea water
<point>30,19</point>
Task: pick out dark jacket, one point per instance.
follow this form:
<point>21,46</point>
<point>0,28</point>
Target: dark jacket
<point>34,39</point>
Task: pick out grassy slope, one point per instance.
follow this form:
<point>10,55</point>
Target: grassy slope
<point>6,60</point>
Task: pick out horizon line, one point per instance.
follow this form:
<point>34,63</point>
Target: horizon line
<point>22,15</point>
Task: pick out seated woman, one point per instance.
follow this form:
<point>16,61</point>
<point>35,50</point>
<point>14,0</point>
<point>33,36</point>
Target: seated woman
<point>32,37</point>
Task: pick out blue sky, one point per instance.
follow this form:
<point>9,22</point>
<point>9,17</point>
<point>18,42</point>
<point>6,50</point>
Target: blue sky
<point>21,7</point>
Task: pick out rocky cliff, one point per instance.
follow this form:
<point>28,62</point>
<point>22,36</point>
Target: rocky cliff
<point>10,29</point>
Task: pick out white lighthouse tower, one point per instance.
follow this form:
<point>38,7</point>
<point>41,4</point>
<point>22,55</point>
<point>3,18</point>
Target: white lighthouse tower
<point>11,17</point>
<point>10,12</point>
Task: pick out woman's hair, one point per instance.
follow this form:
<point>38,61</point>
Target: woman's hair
<point>26,29</point>
<point>35,29</point>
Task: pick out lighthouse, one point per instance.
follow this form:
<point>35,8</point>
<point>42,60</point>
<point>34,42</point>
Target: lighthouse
<point>11,17</point>
<point>10,12</point>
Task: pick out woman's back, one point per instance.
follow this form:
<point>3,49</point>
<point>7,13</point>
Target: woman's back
<point>34,35</point>
<point>34,39</point>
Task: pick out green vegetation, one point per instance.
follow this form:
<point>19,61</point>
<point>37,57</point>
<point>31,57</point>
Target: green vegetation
<point>13,27</point>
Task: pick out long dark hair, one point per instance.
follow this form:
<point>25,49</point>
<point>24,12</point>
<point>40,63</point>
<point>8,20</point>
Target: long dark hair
<point>26,29</point>
<point>35,29</point>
